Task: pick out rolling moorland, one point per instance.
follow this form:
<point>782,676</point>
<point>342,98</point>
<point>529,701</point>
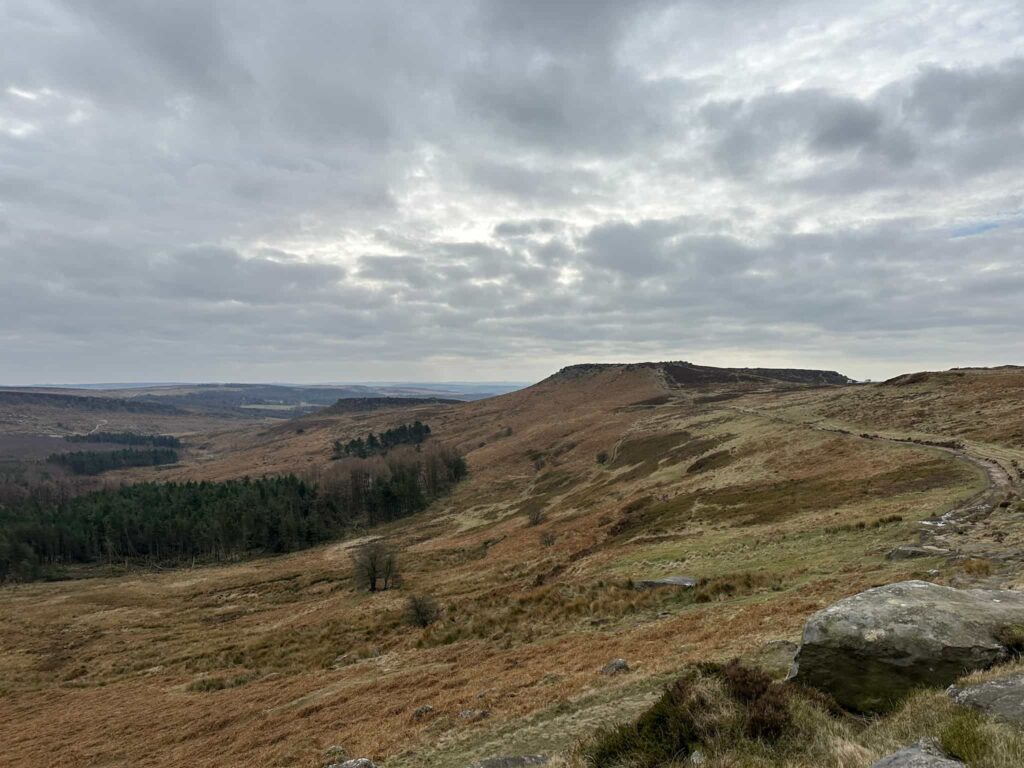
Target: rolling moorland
<point>778,492</point>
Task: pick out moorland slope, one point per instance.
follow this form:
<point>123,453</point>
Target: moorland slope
<point>778,492</point>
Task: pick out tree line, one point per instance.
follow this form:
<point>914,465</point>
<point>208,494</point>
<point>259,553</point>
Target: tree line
<point>378,445</point>
<point>126,438</point>
<point>95,462</point>
<point>176,523</point>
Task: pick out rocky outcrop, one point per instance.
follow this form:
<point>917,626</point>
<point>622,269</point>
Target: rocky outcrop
<point>679,582</point>
<point>615,667</point>
<point>909,552</point>
<point>1001,699</point>
<point>924,754</point>
<point>869,650</point>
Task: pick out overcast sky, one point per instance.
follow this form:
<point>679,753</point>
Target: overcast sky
<point>374,190</point>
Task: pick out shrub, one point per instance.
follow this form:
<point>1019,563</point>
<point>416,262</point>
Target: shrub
<point>422,611</point>
<point>769,714</point>
<point>713,704</point>
<point>745,684</point>
<point>547,539</point>
<point>602,457</point>
<point>535,516</point>
<point>976,566</point>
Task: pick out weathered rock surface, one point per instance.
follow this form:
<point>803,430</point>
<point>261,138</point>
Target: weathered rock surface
<point>335,754</point>
<point>1001,699</point>
<point>511,762</point>
<point>615,667</point>
<point>359,762</point>
<point>680,582</point>
<point>909,551</point>
<point>924,754</point>
<point>869,650</point>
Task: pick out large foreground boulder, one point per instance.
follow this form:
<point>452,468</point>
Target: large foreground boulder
<point>1001,699</point>
<point>869,650</point>
<point>924,754</point>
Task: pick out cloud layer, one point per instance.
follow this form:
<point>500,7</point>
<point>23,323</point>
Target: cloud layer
<point>314,191</point>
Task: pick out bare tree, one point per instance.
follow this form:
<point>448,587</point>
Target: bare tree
<point>375,566</point>
<point>422,611</point>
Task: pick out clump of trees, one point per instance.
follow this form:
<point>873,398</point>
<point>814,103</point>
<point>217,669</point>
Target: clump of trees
<point>386,488</point>
<point>378,445</point>
<point>174,523</point>
<point>375,567</point>
<point>126,438</point>
<point>95,462</point>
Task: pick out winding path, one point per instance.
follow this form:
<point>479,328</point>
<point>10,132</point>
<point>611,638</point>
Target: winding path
<point>1000,485</point>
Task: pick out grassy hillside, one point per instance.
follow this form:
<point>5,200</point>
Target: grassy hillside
<point>579,486</point>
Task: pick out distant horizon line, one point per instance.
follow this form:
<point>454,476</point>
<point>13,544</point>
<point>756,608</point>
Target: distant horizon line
<point>144,384</point>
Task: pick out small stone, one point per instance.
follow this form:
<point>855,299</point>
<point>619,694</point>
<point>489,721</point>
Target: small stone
<point>474,715</point>
<point>615,667</point>
<point>697,757</point>
<point>679,582</point>
<point>422,712</point>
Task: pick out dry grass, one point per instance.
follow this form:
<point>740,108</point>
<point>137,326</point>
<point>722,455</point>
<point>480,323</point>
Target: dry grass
<point>110,671</point>
<point>762,725</point>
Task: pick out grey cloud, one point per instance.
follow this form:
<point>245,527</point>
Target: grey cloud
<point>966,122</point>
<point>250,189</point>
<point>527,227</point>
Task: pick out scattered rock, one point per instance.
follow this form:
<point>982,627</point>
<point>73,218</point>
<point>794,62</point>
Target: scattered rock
<point>614,667</point>
<point>924,754</point>
<point>359,762</point>
<point>909,551</point>
<point>697,757</point>
<point>473,715</point>
<point>777,656</point>
<point>422,712</point>
<point>511,762</point>
<point>680,582</point>
<point>335,754</point>
<point>1001,699</point>
<point>869,650</point>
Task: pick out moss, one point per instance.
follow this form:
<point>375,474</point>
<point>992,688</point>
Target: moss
<point>1012,636</point>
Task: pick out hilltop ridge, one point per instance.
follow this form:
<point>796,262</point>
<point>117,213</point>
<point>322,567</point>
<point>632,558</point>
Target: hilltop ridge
<point>685,373</point>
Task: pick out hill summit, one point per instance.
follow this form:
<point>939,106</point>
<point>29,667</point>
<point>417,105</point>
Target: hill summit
<point>683,373</point>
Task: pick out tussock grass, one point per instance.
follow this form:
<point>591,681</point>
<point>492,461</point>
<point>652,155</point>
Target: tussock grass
<point>735,716</point>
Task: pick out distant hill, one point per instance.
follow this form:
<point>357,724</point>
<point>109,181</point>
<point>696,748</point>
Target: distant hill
<point>84,402</point>
<point>364,404</point>
<point>682,373</point>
